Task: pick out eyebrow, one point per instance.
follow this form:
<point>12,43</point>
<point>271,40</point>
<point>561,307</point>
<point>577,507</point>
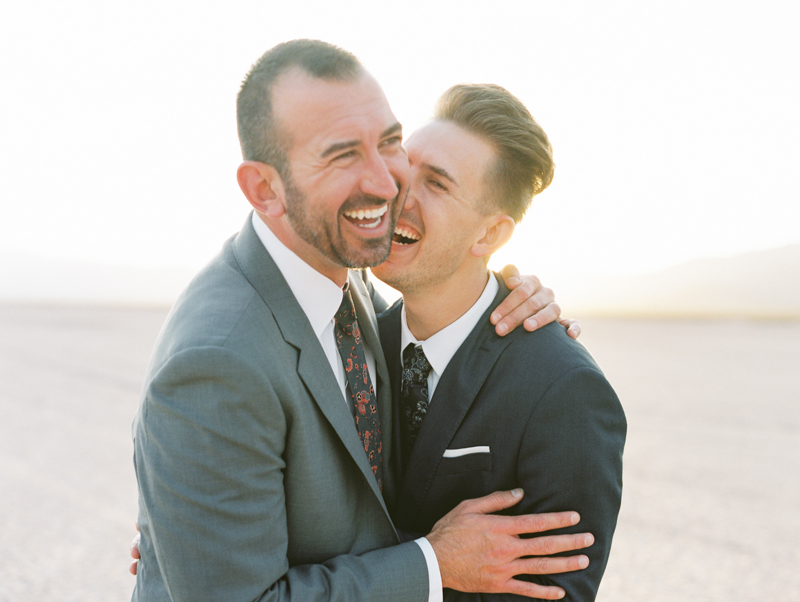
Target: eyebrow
<point>439,171</point>
<point>340,146</point>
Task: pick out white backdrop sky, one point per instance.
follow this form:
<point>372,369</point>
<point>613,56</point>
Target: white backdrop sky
<point>675,124</point>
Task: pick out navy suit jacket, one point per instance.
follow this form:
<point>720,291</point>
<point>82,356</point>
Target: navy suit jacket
<point>551,421</point>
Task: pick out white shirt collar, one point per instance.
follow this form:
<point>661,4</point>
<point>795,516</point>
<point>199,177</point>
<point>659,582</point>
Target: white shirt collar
<point>442,346</point>
<point>319,296</point>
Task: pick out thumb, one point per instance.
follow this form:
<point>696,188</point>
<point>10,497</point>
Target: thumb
<point>510,275</point>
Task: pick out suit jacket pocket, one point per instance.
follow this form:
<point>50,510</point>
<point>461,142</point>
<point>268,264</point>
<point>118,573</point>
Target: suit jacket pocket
<point>467,463</point>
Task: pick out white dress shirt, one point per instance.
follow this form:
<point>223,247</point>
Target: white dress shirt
<point>440,348</point>
<point>319,297</point>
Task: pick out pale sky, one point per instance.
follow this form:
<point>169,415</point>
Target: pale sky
<point>675,124</point>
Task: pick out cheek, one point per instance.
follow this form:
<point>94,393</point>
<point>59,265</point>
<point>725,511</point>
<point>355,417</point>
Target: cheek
<point>397,164</point>
<point>335,188</point>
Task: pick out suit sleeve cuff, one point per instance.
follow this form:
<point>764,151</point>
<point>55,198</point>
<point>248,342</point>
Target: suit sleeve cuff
<point>434,576</point>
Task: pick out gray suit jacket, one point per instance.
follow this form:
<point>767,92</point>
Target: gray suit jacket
<point>253,484</point>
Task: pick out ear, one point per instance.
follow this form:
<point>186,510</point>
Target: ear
<point>497,231</point>
<point>263,187</point>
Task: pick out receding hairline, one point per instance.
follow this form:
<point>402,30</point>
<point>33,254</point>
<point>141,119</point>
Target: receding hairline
<point>254,113</point>
<point>299,71</point>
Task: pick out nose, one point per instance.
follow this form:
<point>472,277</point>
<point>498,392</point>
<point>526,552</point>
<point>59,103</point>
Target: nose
<point>378,180</point>
<point>411,197</point>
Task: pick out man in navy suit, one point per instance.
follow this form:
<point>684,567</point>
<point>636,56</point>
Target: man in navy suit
<point>475,412</point>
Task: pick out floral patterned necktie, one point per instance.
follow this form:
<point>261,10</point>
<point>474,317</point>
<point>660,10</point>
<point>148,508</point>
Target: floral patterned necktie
<point>359,384</point>
<point>413,396</point>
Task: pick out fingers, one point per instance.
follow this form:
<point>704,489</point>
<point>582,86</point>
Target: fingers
<point>525,302</point>
<point>534,590</point>
<point>511,276</point>
<point>135,551</point>
<point>494,502</point>
<point>545,315</point>
<point>573,327</point>
<point>550,566</point>
<point>135,547</point>
<point>538,523</point>
<point>555,544</point>
<point>522,291</point>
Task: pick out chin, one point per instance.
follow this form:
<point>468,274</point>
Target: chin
<point>385,273</point>
<point>365,258</point>
<point>400,279</point>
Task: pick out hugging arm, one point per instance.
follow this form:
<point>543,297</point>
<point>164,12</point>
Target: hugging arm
<point>571,457</point>
<point>213,516</point>
<point>573,450</point>
<point>529,304</point>
<point>209,458</point>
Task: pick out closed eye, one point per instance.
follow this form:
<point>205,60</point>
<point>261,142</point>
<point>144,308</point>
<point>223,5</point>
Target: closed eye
<point>438,185</point>
<point>346,155</point>
<point>393,140</point>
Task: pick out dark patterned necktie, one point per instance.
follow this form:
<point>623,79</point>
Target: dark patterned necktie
<point>413,396</point>
<point>348,340</point>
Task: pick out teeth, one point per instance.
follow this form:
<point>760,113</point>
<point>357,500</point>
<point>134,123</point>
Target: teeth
<point>406,233</point>
<point>368,213</point>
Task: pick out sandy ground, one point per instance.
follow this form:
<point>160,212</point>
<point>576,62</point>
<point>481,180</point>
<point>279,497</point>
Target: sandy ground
<point>711,509</point>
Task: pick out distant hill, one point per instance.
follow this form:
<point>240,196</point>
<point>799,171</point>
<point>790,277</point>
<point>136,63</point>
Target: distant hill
<point>763,284</point>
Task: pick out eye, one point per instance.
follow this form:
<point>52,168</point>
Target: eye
<point>345,156</point>
<point>437,185</point>
<point>394,140</point>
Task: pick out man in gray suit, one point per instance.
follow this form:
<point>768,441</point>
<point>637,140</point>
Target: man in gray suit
<point>253,479</point>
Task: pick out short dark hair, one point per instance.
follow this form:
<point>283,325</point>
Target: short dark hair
<point>524,166</point>
<point>258,133</point>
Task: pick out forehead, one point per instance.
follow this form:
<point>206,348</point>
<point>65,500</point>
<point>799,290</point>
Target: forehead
<point>315,113</point>
<point>445,145</point>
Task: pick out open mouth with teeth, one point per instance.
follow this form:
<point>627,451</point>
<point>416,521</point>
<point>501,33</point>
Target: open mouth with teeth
<point>367,218</point>
<point>404,236</point>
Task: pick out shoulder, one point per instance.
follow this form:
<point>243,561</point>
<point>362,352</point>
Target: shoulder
<point>551,348</point>
<point>219,309</point>
<point>562,375</point>
<point>534,368</point>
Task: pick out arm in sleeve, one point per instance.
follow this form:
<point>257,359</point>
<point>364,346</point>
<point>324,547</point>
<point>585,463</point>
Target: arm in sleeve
<point>571,459</point>
<point>209,462</point>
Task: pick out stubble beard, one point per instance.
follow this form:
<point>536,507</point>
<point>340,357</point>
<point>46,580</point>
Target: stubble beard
<point>327,238</point>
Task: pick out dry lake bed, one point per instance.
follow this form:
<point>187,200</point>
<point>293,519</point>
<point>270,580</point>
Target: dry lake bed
<point>711,507</point>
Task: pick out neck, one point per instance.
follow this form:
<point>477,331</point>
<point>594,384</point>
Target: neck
<point>435,307</point>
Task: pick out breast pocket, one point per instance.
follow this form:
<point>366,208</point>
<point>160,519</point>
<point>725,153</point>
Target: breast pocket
<point>466,459</point>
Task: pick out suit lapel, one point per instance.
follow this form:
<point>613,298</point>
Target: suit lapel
<point>312,365</point>
<point>368,324</point>
<point>389,328</point>
<point>455,393</point>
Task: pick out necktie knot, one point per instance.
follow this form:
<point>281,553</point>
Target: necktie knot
<point>416,366</point>
<point>346,314</point>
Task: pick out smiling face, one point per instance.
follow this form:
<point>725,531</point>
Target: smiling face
<point>348,169</point>
<point>442,218</point>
